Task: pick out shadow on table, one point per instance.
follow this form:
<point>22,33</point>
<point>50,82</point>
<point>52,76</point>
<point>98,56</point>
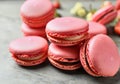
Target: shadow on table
<point>96,80</point>
<point>44,64</point>
<point>107,80</point>
<point>110,30</point>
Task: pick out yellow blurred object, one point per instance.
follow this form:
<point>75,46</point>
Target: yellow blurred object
<point>106,3</point>
<point>89,16</point>
<point>73,11</point>
<point>81,12</point>
<point>78,10</point>
<point>78,5</point>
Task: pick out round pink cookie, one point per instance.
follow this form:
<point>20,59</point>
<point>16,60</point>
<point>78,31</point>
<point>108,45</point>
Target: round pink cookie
<point>67,31</point>
<point>66,58</point>
<point>29,51</point>
<point>37,13</point>
<point>105,15</point>
<point>28,31</point>
<point>96,28</point>
<point>99,56</point>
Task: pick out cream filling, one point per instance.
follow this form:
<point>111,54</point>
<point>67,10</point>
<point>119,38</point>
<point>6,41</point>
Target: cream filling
<point>74,37</point>
<point>31,58</point>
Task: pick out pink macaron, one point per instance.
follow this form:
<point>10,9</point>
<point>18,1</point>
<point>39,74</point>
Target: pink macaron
<point>96,28</point>
<point>65,58</point>
<point>99,56</point>
<point>29,51</point>
<point>37,13</point>
<point>67,31</point>
<point>117,6</point>
<point>28,31</point>
<point>105,15</point>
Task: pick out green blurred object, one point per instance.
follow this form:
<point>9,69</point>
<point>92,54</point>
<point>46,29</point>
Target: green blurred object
<point>57,14</point>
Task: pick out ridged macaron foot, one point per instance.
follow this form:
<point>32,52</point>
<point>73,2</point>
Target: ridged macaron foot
<point>29,31</point>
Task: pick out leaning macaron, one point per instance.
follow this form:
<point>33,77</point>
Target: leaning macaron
<point>105,15</point>
<point>96,28</point>
<point>117,5</point>
<point>28,31</point>
<point>99,56</point>
<point>29,51</point>
<point>65,58</point>
<point>67,31</point>
<point>37,13</point>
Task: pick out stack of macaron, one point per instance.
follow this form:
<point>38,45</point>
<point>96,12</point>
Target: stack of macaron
<point>32,49</point>
<point>65,35</point>
<point>71,47</point>
<point>74,42</point>
<point>35,15</point>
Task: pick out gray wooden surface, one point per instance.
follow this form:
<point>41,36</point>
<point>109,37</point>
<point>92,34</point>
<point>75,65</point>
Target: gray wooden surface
<point>11,73</point>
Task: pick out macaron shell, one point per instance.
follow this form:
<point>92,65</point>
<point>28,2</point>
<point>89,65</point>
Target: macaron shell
<point>84,62</point>
<point>66,58</point>
<point>101,12</point>
<point>28,45</point>
<point>63,25</point>
<point>108,18</point>
<point>65,67</point>
<point>37,14</point>
<point>33,8</point>
<point>37,22</point>
<point>28,31</point>
<point>64,54</point>
<point>96,28</point>
<point>102,55</point>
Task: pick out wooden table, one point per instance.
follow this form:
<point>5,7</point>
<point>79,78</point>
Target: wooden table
<point>11,73</point>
